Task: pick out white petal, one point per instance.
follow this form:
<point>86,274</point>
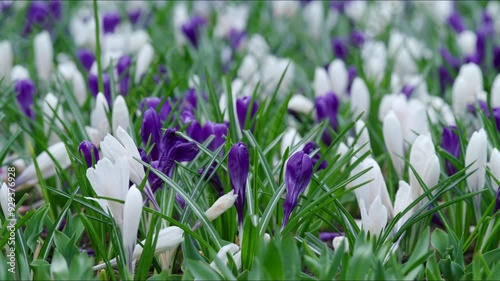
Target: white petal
<point>339,77</point>
<point>120,116</point>
<point>360,99</point>
<point>393,138</point>
<point>321,83</point>
<point>131,218</point>
<point>299,103</point>
<point>495,167</point>
<point>98,116</point>
<point>6,60</point>
<point>221,205</point>
<point>44,54</point>
<point>144,59</point>
<point>495,92</point>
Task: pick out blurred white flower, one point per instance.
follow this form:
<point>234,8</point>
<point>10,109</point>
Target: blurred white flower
<point>355,9</point>
<point>19,72</point>
<point>495,92</point>
<point>144,59</point>
<point>337,241</point>
<point>231,17</point>
<point>439,10</point>
<point>79,87</point>
<point>50,106</point>
<point>99,124</point>
<point>44,54</point>
<point>290,138</point>
<point>494,166</point>
<point>4,200</point>
<point>137,40</point>
<point>424,160</point>
<point>321,82</point>
<point>299,103</point>
<point>475,155</point>
<point>393,139</point>
<point>285,9</point>
<point>257,46</point>
<point>467,86</point>
<point>439,111</point>
<point>314,18</point>
<point>249,70</point>
<point>466,41</point>
<point>363,138</point>
<point>6,60</point>
<point>132,211</point>
<point>273,70</point>
<point>120,117</point>
<point>375,219</point>
<point>374,55</point>
<point>360,99</point>
<point>339,77</point>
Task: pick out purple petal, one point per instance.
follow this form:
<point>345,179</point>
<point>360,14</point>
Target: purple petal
<point>497,203</point>
<point>236,38</point>
<point>450,143</point>
<point>218,130</point>
<point>86,58</point>
<point>456,22</point>
<point>339,47</point>
<point>87,149</point>
<point>328,236</point>
<point>192,28</point>
<point>110,21</point>
<point>308,149</point>
<point>407,90</point>
<point>496,58</point>
<point>151,128</point>
<point>93,82</point>
<point>242,106</point>
<point>25,90</point>
<point>123,70</point>
<point>238,164</point>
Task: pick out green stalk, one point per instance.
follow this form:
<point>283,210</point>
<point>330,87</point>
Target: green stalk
<point>98,48</point>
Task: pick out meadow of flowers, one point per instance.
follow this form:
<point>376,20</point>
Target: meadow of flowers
<point>262,140</point>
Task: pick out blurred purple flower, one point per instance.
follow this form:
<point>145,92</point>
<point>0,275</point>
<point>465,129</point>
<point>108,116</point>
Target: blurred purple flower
<point>218,130</point>
<point>351,74</point>
<point>456,22</point>
<point>25,90</point>
<point>450,59</point>
<point>42,14</point>
<point>194,130</point>
<point>86,58</point>
<point>154,102</point>
<point>357,38</point>
<point>327,108</point>
<point>407,90</point>
<point>496,58</point>
<point>123,71</point>
<point>236,38</point>
<point>451,144</point>
<point>497,203</point>
<point>192,28</point>
<point>339,47</point>
<point>180,200</point>
<point>338,5</point>
<point>308,149</point>
<point>445,78</point>
<point>94,86</point>
<point>298,173</point>
<point>243,105</point>
<point>238,164</point>
<point>87,149</point>
<point>110,21</point>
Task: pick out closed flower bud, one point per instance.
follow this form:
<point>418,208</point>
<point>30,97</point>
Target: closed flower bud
<point>123,71</point>
<point>402,201</point>
<point>327,108</point>
<point>393,138</point>
<point>475,156</point>
<point>314,17</point>
<point>79,88</point>
<point>298,173</point>
<point>243,105</point>
<point>54,113</point>
<point>308,149</point>
<point>4,200</point>
<point>375,219</point>
<point>466,87</point>
<point>221,205</point>
<point>44,53</point>
<point>238,163</point>
<point>424,160</point>
<point>110,21</point>
<point>321,83</point>
<point>192,29</point>
<point>19,72</point>
<point>99,118</point>
<point>86,58</point>
<point>363,138</point>
<point>300,104</point>
<point>467,42</point>
<point>339,77</point>
<point>6,60</point>
<point>495,167</point>
<point>337,241</point>
<point>151,131</point>
<point>89,151</point>
<point>120,115</point>
<point>495,92</point>
<point>360,99</point>
<point>144,59</point>
<point>132,211</point>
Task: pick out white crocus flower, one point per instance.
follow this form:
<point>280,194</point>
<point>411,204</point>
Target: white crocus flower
<point>467,42</point>
<point>111,180</point>
<point>79,87</point>
<point>339,77</point>
<point>45,164</point>
<point>231,17</point>
<point>6,60</point>
<point>290,138</point>
<point>233,250</point>
<point>495,92</point>
<point>360,99</point>
<point>363,138</point>
<point>144,59</point>
<point>99,124</point>
<point>132,211</point>
<point>301,104</point>
<point>249,69</point>
<point>424,160</point>
<point>44,54</point>
<point>475,156</point>
<point>120,117</point>
<point>314,18</point>
<point>393,139</point>
<point>19,72</point>
<point>273,69</point>
<point>374,55</point>
<point>355,10</point>
<point>258,47</point>
<point>285,9</point>
<point>466,88</point>
<point>169,239</point>
<point>438,110</point>
<point>495,167</point>
<point>402,201</point>
<point>375,219</point>
<point>321,83</point>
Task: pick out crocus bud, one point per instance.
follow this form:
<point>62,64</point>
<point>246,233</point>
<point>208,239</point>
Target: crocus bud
<point>110,21</point>
<point>44,54</point>
<point>46,165</point>
<point>314,17</point>
<point>151,128</point>
<point>468,84</point>
<point>451,144</point>
<point>393,138</point>
<point>89,150</point>
<point>339,77</point>
<point>467,42</point>
<point>360,99</point>
<point>123,71</point>
<point>298,173</point>
<point>243,105</point>
<point>308,149</point>
<point>285,9</point>
<point>327,108</point>
<point>321,83</point>
<point>79,88</point>
<point>300,104</point>
<point>221,205</point>
<point>4,200</point>
<point>132,211</point>
<point>339,46</point>
<point>476,155</point>
<point>218,130</point>
<point>495,167</point>
<point>120,117</point>
<point>363,137</point>
<point>144,59</point>
<point>425,162</point>
<point>86,58</point>
<point>375,219</point>
<point>456,22</point>
<point>6,59</point>
<point>238,163</point>
<point>402,201</point>
<point>25,90</point>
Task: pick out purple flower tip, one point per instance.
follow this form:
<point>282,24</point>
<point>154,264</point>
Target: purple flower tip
<point>236,38</point>
<point>154,102</point>
<point>238,164</point>
<point>86,58</point>
<point>456,22</point>
<point>191,29</point>
<point>110,21</point>
<point>408,90</point>
<point>93,82</point>
<point>25,90</point>
<point>87,150</point>
<point>122,68</point>
<point>308,149</point>
<point>298,173</point>
<point>339,47</point>
<point>327,108</point>
<point>351,74</point>
<point>151,131</point>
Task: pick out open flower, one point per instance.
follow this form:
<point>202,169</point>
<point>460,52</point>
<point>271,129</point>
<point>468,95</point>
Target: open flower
<point>238,163</point>
<point>298,173</point>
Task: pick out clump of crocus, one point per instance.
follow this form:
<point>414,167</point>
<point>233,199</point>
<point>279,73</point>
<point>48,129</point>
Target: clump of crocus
<point>89,152</point>
<point>238,163</point>
<point>298,173</point>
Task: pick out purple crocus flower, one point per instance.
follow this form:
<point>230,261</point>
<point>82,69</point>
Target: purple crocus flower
<point>357,38</point>
<point>214,178</point>
<point>191,29</point>
<point>338,5</point>
<point>488,24</point>
<point>298,173</point>
<point>326,108</point>
<point>408,90</point>
<point>328,236</point>
<point>339,47</point>
<point>123,71</point>
<point>236,38</point>
<point>110,21</point>
<point>308,149</point>
<point>55,9</point>
<point>351,74</point>
<point>94,85</point>
<point>243,105</point>
<point>25,90</point>
<point>445,78</point>
<point>134,15</point>
<point>194,130</point>
<point>450,59</point>
<point>218,130</point>
<point>456,22</point>
<point>154,102</point>
<point>87,149</point>
<point>151,131</point>
<point>42,14</point>
<point>238,164</point>
<point>86,58</point>
<point>450,143</point>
